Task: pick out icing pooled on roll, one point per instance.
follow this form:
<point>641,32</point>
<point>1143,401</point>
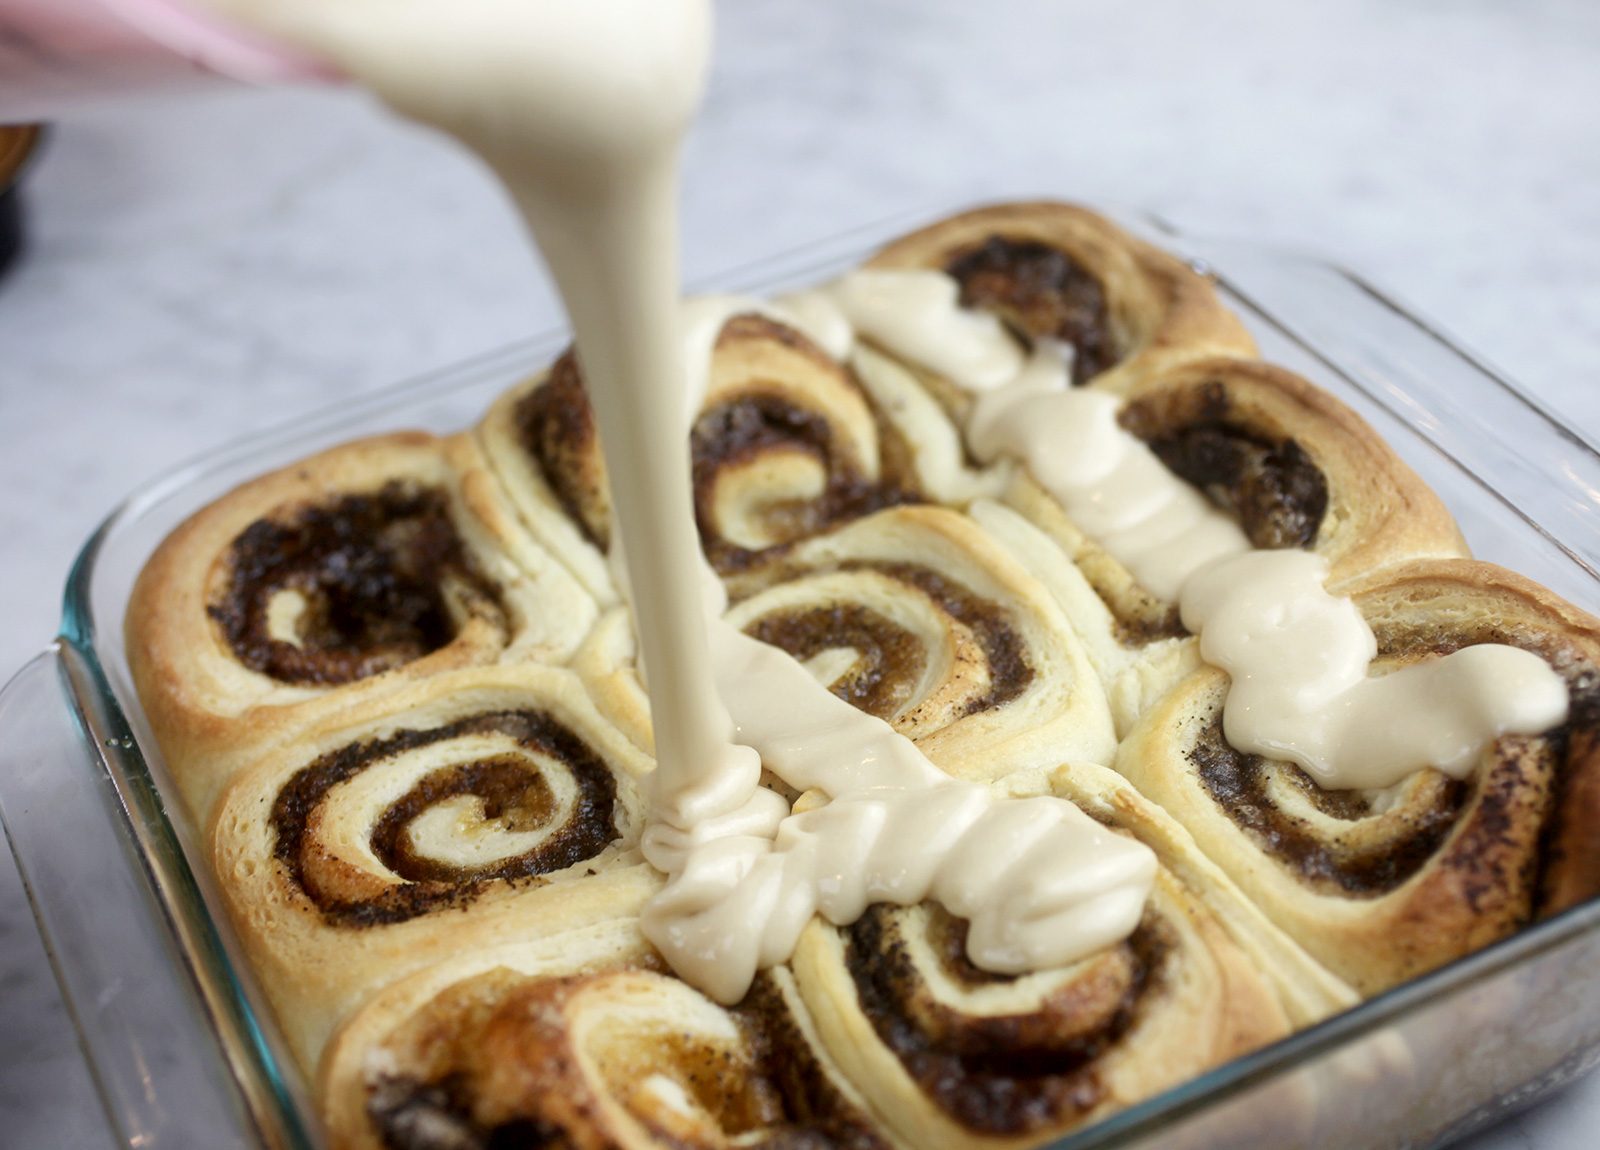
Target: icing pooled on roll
<point>1301,690</point>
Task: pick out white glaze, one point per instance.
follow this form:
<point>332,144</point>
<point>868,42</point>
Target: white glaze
<point>1107,480</point>
<point>1299,657</point>
<point>1041,882</point>
<point>918,314</point>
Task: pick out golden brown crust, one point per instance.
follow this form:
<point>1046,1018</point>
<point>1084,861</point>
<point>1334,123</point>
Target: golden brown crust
<point>1157,311</point>
<point>588,1046</point>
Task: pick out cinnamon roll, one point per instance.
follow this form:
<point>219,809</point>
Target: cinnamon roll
<point>786,445</point>
<point>481,806</point>
<point>345,576</point>
<point>953,1056</point>
<point>1383,885</point>
<point>1056,271</point>
<point>916,616</point>
<point>582,1041</point>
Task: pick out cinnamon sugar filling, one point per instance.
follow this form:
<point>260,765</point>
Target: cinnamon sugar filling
<point>337,592</point>
<point>891,659</point>
<point>511,791</point>
<point>1040,290</point>
<point>1271,485</point>
<point>557,429</point>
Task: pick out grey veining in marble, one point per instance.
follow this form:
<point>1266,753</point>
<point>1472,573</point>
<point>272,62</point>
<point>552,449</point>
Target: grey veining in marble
<point>201,269</point>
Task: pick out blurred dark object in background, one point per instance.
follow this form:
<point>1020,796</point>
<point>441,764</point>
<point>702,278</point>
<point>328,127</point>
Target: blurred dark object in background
<point>17,145</point>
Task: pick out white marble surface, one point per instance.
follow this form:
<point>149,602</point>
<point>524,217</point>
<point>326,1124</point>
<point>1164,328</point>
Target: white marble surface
<point>204,268</point>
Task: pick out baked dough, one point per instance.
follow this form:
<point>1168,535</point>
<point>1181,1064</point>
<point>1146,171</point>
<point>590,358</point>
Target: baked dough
<point>398,690</point>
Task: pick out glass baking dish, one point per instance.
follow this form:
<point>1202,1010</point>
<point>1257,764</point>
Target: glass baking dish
<point>184,1053</point>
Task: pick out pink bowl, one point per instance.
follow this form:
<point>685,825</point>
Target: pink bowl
<point>56,54</point>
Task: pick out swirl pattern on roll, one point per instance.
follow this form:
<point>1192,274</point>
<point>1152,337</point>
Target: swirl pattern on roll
<point>334,592</point>
<point>1358,843</point>
<point>916,616</point>
<point>1010,1073</point>
<point>502,795</point>
<point>786,445</point>
<point>482,802</point>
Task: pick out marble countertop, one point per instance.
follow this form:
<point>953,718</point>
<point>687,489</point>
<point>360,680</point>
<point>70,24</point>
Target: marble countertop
<point>202,268</point>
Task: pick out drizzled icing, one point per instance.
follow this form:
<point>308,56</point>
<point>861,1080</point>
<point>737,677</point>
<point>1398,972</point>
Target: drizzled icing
<point>1041,882</point>
<point>918,314</point>
<point>1108,481</point>
<point>1298,656</point>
